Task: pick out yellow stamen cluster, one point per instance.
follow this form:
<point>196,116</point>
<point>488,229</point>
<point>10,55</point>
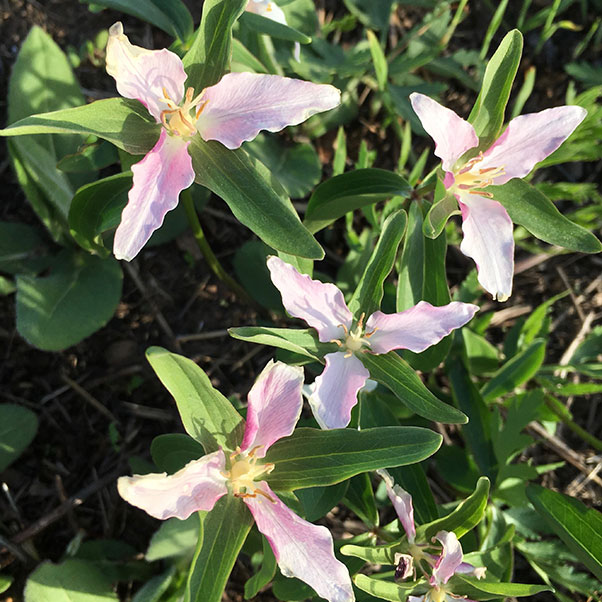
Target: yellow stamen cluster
<point>471,178</point>
<point>244,470</point>
<point>355,339</point>
<point>178,119</point>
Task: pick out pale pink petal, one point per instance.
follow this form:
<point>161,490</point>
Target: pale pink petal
<point>336,390</point>
<point>488,240</point>
<point>267,9</point>
<point>144,74</point>
<point>275,404</point>
<point>415,598</point>
<point>416,328</point>
<point>197,486</point>
<point>240,105</point>
<point>452,135</point>
<point>158,180</point>
<point>402,502</point>
<point>320,304</point>
<point>450,559</point>
<point>302,550</point>
<point>529,139</point>
<point>468,569</point>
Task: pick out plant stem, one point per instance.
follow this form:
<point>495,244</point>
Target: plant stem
<point>560,410</point>
<point>213,262</point>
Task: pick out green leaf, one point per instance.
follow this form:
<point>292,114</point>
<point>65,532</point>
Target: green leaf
<point>174,538</point>
<point>18,427</point>
<point>463,519</point>
<point>272,28</point>
<point>413,479</point>
<point>5,583</point>
<point>209,56</point>
<point>372,14</point>
<point>303,341</point>
<point>125,123</point>
<point>255,198</point>
<point>96,208</point>
<point>411,265</point>
<point>171,16</point>
<point>579,527</point>
<point>297,167</point>
<point>153,589</point>
<point>310,457</point>
<point>392,371</point>
<point>71,581</point>
<point>515,372</point>
<point>19,247</point>
<point>360,499</point>
<point>349,191</point>
<point>439,214</point>
<point>265,574</point>
<point>487,115</point>
<point>369,292</point>
<point>173,451</point>
<point>386,590</point>
<point>77,298</point>
<point>225,529</point>
<point>206,414</point>
<point>89,157</point>
<point>378,59</point>
<point>490,590</point>
<point>318,501</point>
<point>530,208</point>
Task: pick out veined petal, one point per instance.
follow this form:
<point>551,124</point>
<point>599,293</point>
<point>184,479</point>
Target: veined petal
<point>452,135</point>
<point>402,502</point>
<point>275,404</point>
<point>469,569</point>
<point>158,180</point>
<point>240,105</point>
<point>197,486</point>
<point>320,304</point>
<point>416,328</point>
<point>302,550</point>
<point>529,139</point>
<point>450,559</point>
<point>488,240</point>
<point>336,390</point>
<point>267,9</point>
<point>144,74</point>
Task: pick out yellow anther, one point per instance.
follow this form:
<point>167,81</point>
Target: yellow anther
<point>178,119</point>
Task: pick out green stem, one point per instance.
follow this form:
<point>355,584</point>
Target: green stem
<point>560,410</point>
<point>208,254</point>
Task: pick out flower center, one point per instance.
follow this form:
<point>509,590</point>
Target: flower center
<point>470,177</point>
<point>437,594</point>
<point>244,470</point>
<point>178,120</point>
<point>355,339</point>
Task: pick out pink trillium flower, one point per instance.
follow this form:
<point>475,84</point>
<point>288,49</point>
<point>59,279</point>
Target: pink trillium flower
<point>442,566</point>
<point>232,111</point>
<point>486,225</point>
<point>302,550</point>
<point>323,307</point>
<point>270,10</point>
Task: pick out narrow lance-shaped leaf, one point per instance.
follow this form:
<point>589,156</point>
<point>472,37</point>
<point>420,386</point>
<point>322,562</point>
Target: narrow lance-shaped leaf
<point>206,414</point>
<point>579,527</point>
<point>369,292</point>
<point>209,56</point>
<point>487,115</point>
<point>411,265</point>
<point>349,191</point>
<point>532,209</point>
<point>491,590</point>
<point>256,200</point>
<point>439,213</point>
<point>224,531</point>
<point>392,371</point>
<point>272,28</point>
<point>311,457</point>
<point>125,123</point>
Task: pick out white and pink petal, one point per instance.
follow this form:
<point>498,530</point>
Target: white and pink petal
<point>529,139</point>
<point>275,403</point>
<point>159,178</point>
<point>488,240</point>
<point>452,135</point>
<point>336,390</point>
<point>450,559</point>
<point>402,502</point>
<point>240,105</point>
<point>416,328</point>
<point>302,550</point>
<point>195,487</point>
<point>143,74</point>
<point>320,304</point>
